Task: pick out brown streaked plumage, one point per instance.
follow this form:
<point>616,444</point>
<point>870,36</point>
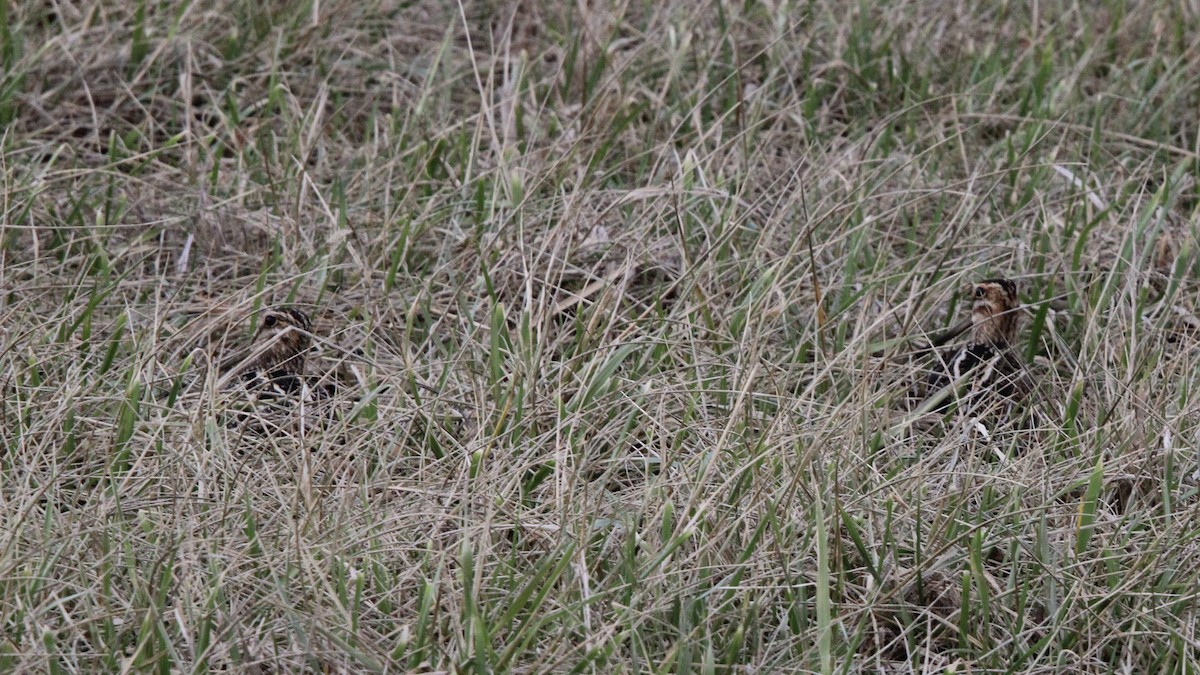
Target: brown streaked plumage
<point>996,312</point>
<point>275,363</point>
<point>266,390</point>
<point>988,364</point>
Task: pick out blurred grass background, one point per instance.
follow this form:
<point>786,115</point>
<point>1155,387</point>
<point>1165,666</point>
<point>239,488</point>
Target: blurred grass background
<point>618,290</point>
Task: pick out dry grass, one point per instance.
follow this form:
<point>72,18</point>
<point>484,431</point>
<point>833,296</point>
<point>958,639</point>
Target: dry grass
<point>616,293</point>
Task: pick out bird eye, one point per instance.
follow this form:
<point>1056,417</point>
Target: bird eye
<point>979,291</point>
<point>270,321</point>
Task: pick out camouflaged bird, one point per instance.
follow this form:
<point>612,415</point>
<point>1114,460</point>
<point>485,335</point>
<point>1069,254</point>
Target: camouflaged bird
<point>274,366</point>
<point>272,373</point>
<point>986,373</point>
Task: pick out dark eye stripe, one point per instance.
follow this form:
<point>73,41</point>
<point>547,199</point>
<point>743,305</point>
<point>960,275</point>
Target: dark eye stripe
<point>1008,285</point>
<point>300,319</point>
<point>289,315</point>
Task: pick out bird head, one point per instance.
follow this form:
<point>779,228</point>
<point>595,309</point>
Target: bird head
<point>995,312</point>
<point>284,334</point>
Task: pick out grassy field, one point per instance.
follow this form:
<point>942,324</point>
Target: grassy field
<point>622,299</point>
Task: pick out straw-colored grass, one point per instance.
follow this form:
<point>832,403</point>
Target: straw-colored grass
<point>621,296</point>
